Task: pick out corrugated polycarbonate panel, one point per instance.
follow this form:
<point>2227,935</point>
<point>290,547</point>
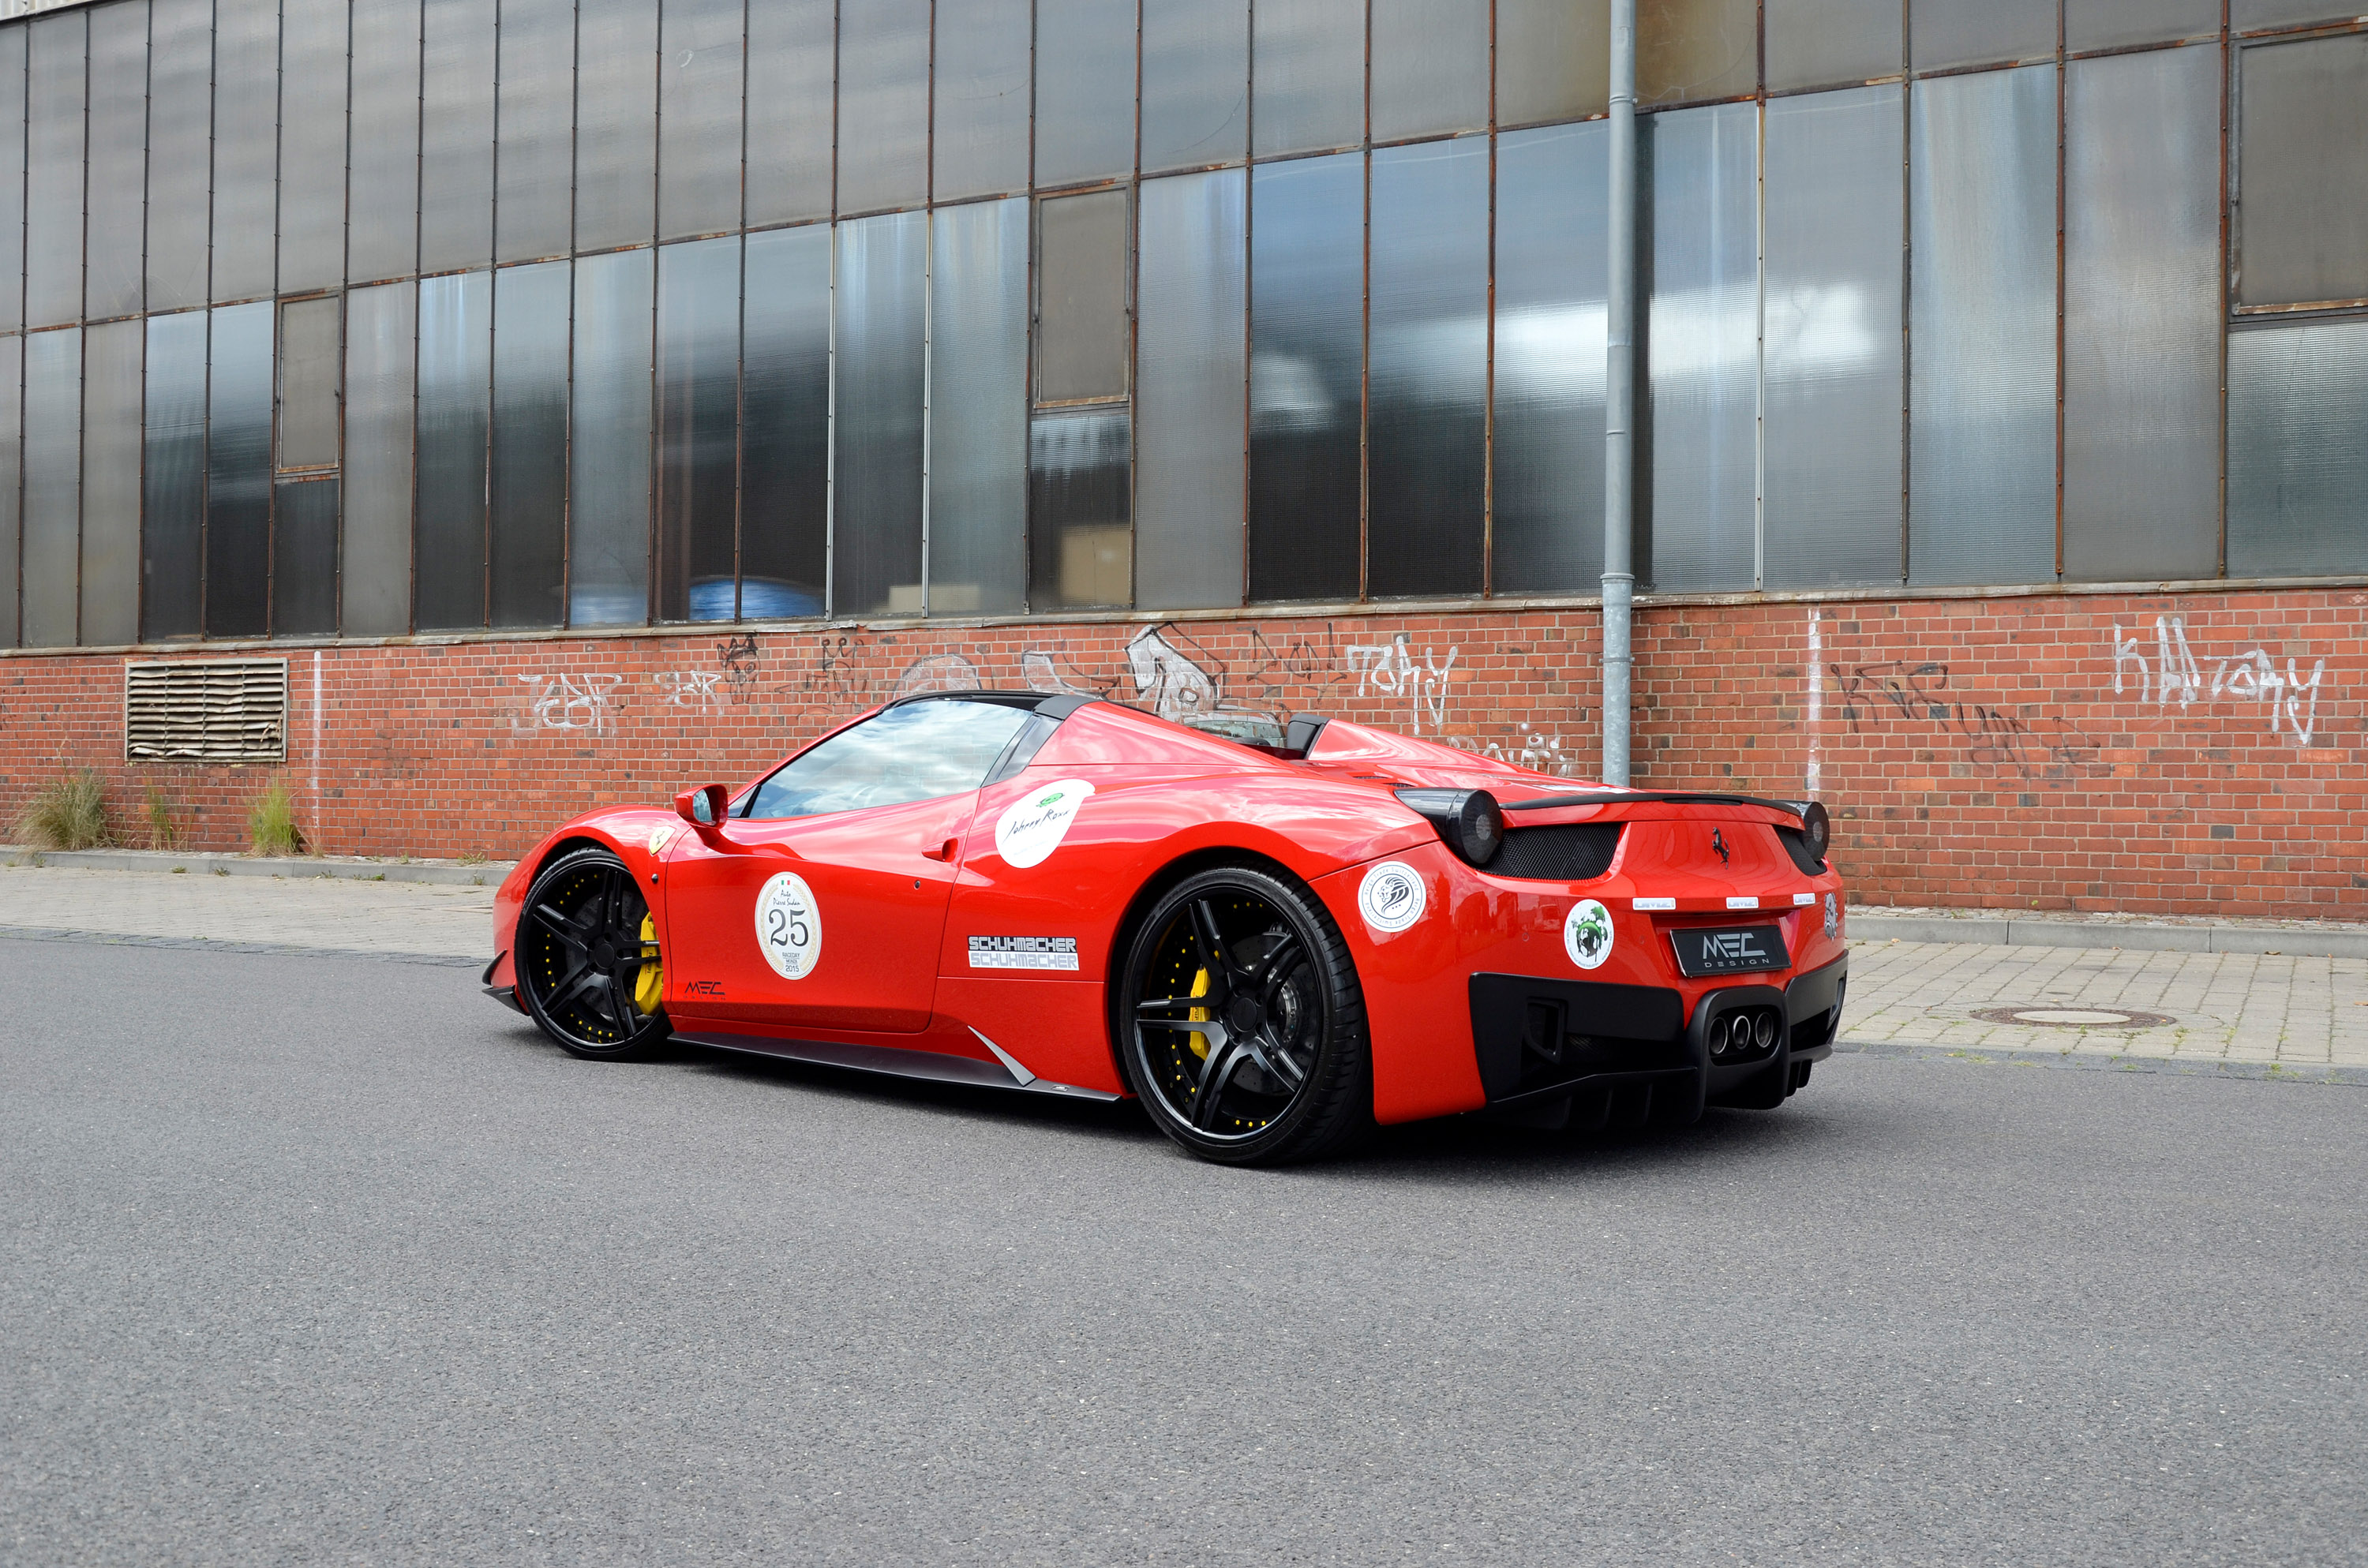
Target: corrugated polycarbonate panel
<point>2111,23</point>
<point>1427,422</point>
<point>1822,43</point>
<point>456,135</point>
<point>1552,250</point>
<point>1081,335</point>
<point>527,543</point>
<point>11,473</point>
<point>884,105</point>
<point>2244,15</point>
<point>383,182</point>
<point>1430,67</point>
<point>304,558</point>
<point>1943,33</point>
<point>238,471</point>
<point>110,483</point>
<point>2301,215</point>
<point>699,413</point>
<point>174,481</point>
<point>1704,348</point>
<point>980,137</point>
<point>609,460</point>
<point>699,116</point>
<point>12,192</point>
<point>876,422</point>
<point>534,163</point>
<point>1981,504</point>
<point>1080,543</point>
<point>1196,82</point>
<point>1690,49</point>
<point>785,422</point>
<point>1191,390</point>
<point>2142,316</point>
<point>180,116</point>
<point>53,172</point>
<point>1307,340</point>
<point>1085,90</point>
<point>792,55</point>
<point>2298,449</point>
<point>52,546</point>
<point>1831,363</point>
<point>456,318</point>
<point>1552,60</point>
<point>616,122</point>
<point>308,383</point>
<point>246,157</point>
<point>313,147</point>
<point>978,409</point>
<point>380,331</point>
<point>1307,90</point>
<point>118,175</point>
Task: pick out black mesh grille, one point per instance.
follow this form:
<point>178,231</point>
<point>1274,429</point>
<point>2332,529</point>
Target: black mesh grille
<point>1574,852</point>
<point>1796,844</point>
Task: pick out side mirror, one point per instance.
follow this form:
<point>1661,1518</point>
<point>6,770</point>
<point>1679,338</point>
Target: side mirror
<point>703,807</point>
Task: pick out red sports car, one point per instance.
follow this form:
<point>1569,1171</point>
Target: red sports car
<point>1272,946</point>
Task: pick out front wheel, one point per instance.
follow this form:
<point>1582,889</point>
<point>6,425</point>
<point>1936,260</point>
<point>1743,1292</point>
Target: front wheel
<point>1243,1024</point>
<point>587,958</point>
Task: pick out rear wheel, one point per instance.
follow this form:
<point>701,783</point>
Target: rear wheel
<point>1243,1024</point>
<point>587,957</point>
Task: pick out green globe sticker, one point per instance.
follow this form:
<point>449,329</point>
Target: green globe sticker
<point>1586,934</point>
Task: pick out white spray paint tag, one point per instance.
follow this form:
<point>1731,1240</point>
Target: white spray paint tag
<point>1391,898</point>
<point>1586,934</point>
<point>789,925</point>
<point>1032,827</point>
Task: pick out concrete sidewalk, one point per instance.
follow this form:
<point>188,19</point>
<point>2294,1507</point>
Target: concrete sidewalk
<point>2240,1011</point>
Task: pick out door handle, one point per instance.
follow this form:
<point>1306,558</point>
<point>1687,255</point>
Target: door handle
<point>944,851</point>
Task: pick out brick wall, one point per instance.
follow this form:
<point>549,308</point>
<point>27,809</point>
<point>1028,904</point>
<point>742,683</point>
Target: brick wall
<point>2194,752</point>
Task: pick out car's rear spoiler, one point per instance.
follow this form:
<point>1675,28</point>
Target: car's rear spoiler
<point>1653,797</point>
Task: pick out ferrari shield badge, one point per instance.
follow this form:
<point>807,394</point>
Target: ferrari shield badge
<point>1586,934</point>
<point>1391,898</point>
<point>1032,827</point>
<point>789,927</point>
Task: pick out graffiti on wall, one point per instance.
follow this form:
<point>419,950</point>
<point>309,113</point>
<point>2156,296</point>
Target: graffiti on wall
<point>566,701</point>
<point>1393,669</point>
<point>1990,734</point>
<point>2171,671</point>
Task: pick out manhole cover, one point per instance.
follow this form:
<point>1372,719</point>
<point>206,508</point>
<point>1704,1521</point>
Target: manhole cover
<point>2077,1017</point>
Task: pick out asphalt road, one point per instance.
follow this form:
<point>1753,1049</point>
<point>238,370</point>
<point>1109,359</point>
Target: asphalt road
<point>327,1260</point>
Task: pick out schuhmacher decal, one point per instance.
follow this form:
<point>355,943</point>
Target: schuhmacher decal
<point>1586,934</point>
<point>1653,903</point>
<point>789,925</point>
<point>1743,903</point>
<point>1032,827</point>
<point>1390,897</point>
<point>1023,952</point>
<point>1805,899</point>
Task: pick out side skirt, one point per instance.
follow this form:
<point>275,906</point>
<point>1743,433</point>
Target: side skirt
<point>895,1063</point>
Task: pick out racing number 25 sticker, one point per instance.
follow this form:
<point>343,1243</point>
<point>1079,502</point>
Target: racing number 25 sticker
<point>789,925</point>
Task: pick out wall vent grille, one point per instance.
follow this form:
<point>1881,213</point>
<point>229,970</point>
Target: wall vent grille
<point>206,711</point>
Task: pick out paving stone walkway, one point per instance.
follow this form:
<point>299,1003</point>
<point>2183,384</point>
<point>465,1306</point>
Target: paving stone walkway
<point>2228,1008</point>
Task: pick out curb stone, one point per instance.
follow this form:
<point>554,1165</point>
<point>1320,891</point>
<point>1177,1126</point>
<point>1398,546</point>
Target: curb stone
<point>282,950</point>
<point>2289,941</point>
<point>2107,1061</point>
<point>293,868</point>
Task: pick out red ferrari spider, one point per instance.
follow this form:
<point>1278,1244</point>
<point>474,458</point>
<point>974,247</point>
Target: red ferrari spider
<point>1271,946</point>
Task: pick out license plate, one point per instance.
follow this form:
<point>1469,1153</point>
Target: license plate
<point>1730,949</point>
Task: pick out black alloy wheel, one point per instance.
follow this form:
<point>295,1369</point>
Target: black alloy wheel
<point>1241,1022</point>
<point>581,954</point>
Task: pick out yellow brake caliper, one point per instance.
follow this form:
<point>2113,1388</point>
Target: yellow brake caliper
<point>1199,1016</point>
<point>650,984</point>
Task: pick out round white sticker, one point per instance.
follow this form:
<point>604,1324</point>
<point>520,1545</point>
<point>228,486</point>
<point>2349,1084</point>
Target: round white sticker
<point>789,925</point>
<point>1032,827</point>
<point>1391,898</point>
<point>1586,934</point>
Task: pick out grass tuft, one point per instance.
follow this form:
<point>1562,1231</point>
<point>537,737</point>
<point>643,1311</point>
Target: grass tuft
<point>68,814</point>
<point>271,822</point>
<point>161,834</point>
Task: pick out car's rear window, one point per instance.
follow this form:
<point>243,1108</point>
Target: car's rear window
<point>915,751</point>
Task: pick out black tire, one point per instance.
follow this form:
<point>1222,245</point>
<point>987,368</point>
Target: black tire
<point>579,953</point>
<point>1283,1072</point>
